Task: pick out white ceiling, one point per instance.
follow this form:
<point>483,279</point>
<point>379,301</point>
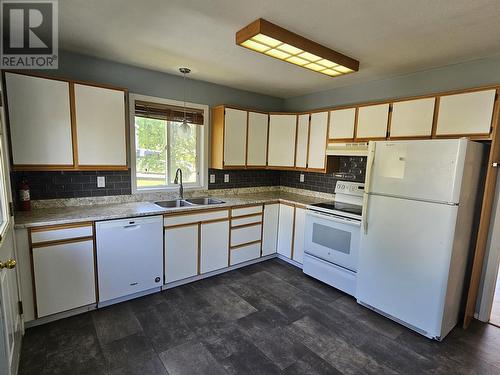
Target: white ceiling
<point>388,37</point>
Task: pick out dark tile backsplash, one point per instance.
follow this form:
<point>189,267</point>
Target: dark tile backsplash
<point>75,184</point>
<point>72,184</point>
<point>239,178</point>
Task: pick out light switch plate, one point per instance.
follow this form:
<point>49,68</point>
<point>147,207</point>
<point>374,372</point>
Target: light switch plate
<point>212,179</point>
<point>101,181</point>
<point>226,178</point>
<point>301,177</point>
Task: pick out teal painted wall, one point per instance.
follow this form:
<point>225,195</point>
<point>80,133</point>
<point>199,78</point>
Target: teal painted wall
<point>459,76</point>
<point>154,83</point>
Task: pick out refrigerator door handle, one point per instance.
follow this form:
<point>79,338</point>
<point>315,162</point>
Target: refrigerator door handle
<point>364,214</point>
<point>369,165</point>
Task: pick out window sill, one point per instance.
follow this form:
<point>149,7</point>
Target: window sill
<point>168,189</point>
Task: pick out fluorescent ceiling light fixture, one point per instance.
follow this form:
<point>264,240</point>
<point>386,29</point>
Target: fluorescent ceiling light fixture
<point>272,40</point>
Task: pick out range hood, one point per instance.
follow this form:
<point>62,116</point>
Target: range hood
<point>348,149</point>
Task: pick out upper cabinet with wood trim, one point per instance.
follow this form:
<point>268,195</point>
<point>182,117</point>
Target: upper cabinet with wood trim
<point>372,122</point>
<point>412,118</point>
<point>235,137</point>
<point>100,126</point>
<point>40,121</point>
<point>239,138</point>
<point>302,143</point>
<point>59,124</point>
<point>318,132</point>
<point>282,133</point>
<point>342,124</point>
<point>257,139</point>
<point>466,114</point>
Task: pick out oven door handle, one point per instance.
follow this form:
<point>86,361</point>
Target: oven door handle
<point>334,218</point>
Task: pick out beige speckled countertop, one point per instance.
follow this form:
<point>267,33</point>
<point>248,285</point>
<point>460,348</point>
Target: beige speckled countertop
<point>65,215</point>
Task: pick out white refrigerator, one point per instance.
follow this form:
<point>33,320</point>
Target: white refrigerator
<point>418,216</point>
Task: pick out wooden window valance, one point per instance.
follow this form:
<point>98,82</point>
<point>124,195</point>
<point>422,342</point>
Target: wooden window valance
<point>167,112</point>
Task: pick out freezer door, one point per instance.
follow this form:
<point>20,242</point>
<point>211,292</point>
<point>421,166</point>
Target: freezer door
<point>428,170</point>
<point>404,260</point>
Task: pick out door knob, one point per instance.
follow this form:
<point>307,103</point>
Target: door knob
<point>10,264</point>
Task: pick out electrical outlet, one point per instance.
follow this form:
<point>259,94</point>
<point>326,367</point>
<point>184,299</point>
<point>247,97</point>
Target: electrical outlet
<point>212,179</point>
<point>101,181</point>
<point>301,178</point>
<point>226,178</point>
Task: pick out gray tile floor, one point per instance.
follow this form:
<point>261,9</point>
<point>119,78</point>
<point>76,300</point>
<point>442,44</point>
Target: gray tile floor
<point>268,318</point>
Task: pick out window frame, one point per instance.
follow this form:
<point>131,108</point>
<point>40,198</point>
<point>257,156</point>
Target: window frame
<point>202,147</point>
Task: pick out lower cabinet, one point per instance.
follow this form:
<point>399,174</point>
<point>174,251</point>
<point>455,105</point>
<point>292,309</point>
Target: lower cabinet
<point>214,245</point>
<point>270,231</point>
<point>285,230</point>
<point>64,276</point>
<point>195,243</point>
<point>181,252</point>
<point>298,234</point>
<point>245,253</point>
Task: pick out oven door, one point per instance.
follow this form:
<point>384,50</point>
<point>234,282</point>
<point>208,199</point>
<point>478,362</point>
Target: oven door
<point>333,239</point>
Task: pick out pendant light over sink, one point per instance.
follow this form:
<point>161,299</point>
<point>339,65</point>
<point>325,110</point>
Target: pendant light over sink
<point>272,40</point>
<point>185,125</point>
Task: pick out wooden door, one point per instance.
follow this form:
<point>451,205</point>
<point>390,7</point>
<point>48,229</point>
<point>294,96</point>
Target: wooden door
<point>257,139</point>
<point>285,230</point>
<point>100,126</point>
<point>181,252</point>
<point>318,130</point>
<point>270,231</point>
<point>214,245</point>
<point>466,114</point>
<point>298,237</point>
<point>235,137</point>
<point>412,118</point>
<point>372,122</point>
<point>281,148</point>
<point>64,276</point>
<point>302,141</point>
<point>40,121</point>
<point>342,124</point>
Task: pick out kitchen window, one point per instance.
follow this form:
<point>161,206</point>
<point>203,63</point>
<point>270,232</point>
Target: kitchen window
<point>162,144</point>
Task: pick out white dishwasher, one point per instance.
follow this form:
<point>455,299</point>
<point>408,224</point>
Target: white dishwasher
<point>129,256</point>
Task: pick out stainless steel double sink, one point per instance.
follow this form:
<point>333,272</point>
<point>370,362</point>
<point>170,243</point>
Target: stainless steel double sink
<point>204,201</point>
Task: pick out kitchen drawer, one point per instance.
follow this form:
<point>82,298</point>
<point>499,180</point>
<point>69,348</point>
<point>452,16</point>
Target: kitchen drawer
<point>246,210</point>
<point>255,218</point>
<point>246,234</point>
<point>62,233</point>
<point>195,217</point>
<point>245,253</point>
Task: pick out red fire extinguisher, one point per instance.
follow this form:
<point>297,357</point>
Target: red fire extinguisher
<point>24,196</point>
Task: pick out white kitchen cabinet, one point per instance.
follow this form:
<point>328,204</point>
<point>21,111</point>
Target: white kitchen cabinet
<point>298,238</point>
<point>235,137</point>
<point>40,121</point>
<point>101,126</point>
<point>341,125</point>
<point>270,230</point>
<point>302,141</point>
<point>281,148</point>
<point>181,252</point>
<point>285,230</point>
<point>214,246</point>
<point>257,139</point>
<point>245,253</point>
<point>412,118</point>
<point>318,130</point>
<point>64,276</point>
<point>372,122</point>
<point>464,114</point>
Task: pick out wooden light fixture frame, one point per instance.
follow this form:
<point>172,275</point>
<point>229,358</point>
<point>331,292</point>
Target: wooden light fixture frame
<point>261,26</point>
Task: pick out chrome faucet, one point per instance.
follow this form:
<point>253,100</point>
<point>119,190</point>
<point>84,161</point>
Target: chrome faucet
<point>178,173</point>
